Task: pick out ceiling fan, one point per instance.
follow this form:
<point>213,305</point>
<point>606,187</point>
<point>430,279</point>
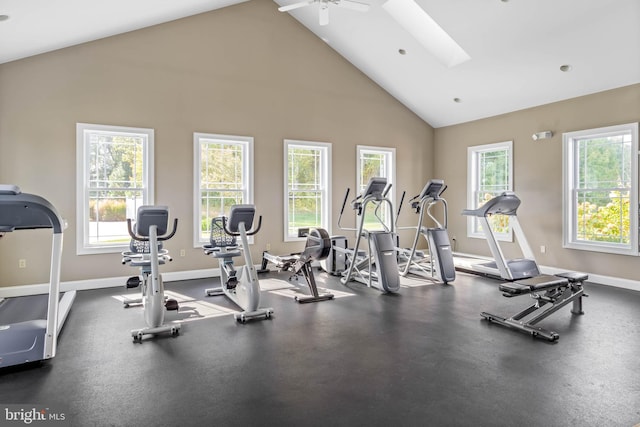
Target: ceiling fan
<point>324,7</point>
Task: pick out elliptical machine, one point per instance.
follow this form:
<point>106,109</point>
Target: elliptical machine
<point>379,267</point>
<point>438,264</point>
<point>241,287</point>
<point>147,253</point>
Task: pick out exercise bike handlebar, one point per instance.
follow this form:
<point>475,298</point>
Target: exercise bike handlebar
<point>134,236</point>
<point>237,233</point>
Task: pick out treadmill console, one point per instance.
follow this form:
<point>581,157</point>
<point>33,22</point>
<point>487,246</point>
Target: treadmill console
<point>8,189</point>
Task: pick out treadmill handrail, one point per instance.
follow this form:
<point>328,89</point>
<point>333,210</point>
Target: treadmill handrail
<point>23,211</point>
<point>506,203</point>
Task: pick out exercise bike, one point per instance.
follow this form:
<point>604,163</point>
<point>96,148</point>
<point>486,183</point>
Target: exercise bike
<point>438,264</point>
<point>378,267</point>
<point>316,248</point>
<point>147,253</point>
<point>241,287</point>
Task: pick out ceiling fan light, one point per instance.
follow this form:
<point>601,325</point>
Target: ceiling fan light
<point>427,31</point>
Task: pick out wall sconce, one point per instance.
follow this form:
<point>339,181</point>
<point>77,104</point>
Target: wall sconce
<point>542,135</point>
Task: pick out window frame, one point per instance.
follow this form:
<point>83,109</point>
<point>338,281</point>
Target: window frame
<point>325,150</point>
<point>473,182</point>
<point>83,132</point>
<point>390,154</point>
<point>247,144</point>
<point>569,184</point>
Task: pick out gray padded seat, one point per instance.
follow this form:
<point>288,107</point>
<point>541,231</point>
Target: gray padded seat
<point>538,283</point>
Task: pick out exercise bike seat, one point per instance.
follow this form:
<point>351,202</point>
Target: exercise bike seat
<point>542,282</point>
<point>218,252</point>
<point>221,245</point>
<point>137,251</point>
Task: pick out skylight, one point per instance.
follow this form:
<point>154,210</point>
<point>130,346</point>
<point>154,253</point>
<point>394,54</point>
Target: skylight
<point>427,31</point>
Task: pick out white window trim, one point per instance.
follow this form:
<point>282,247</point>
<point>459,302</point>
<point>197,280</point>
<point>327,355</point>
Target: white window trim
<point>326,194</point>
<point>247,171</point>
<point>569,170</point>
<point>82,189</point>
<point>472,176</point>
<point>391,167</point>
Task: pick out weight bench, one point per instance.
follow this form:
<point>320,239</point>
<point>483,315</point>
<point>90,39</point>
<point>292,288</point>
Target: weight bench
<point>550,294</point>
<point>316,248</point>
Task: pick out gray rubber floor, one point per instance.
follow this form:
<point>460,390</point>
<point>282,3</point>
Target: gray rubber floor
<point>423,357</point>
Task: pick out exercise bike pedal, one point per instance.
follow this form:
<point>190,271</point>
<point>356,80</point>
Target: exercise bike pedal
<point>171,304</point>
<point>232,282</point>
<point>133,282</point>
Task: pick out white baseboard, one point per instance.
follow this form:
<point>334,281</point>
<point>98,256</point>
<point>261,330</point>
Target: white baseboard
<point>616,282</point>
<point>174,276</point>
<point>107,282</point>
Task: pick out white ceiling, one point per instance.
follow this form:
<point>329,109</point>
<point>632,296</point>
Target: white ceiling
<point>516,46</point>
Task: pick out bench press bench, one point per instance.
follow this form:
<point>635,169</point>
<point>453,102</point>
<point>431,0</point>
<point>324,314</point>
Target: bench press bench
<point>550,294</point>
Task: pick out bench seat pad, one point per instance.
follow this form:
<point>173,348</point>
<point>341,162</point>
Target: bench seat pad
<point>532,284</point>
<point>573,276</point>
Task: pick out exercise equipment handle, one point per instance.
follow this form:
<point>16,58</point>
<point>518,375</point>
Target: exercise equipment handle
<point>344,202</point>
<point>400,206</point>
<point>134,236</point>
<point>386,190</point>
<point>249,233</point>
<point>401,202</point>
<point>170,235</point>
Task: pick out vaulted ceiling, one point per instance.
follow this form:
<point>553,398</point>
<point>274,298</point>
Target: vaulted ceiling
<point>517,47</point>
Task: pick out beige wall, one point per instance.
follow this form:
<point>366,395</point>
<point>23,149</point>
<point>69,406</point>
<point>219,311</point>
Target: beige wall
<point>242,70</point>
<point>250,70</point>
<point>537,174</point>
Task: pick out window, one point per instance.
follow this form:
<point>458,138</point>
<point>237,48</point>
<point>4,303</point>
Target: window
<point>114,177</point>
<point>376,161</point>
<point>601,189</point>
<point>307,185</point>
<point>490,172</point>
<point>223,171</point>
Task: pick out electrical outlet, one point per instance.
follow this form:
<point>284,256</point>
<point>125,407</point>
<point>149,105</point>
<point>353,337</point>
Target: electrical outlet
<point>543,249</point>
<point>183,252</point>
<point>268,246</point>
<point>22,263</point>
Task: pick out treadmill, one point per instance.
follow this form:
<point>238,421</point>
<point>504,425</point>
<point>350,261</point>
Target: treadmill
<point>506,203</point>
<point>29,325</point>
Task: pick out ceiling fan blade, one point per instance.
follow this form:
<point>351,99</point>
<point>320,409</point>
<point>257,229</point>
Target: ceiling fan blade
<point>296,5</point>
<point>354,5</point>
<point>324,14</point>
